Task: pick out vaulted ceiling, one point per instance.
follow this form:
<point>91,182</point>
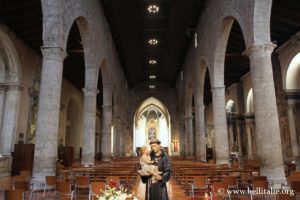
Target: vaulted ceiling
<point>132,27</point>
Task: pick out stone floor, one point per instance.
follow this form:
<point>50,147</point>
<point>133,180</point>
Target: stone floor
<point>174,191</point>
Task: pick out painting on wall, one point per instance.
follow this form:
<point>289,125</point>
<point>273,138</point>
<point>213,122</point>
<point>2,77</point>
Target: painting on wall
<point>151,133</point>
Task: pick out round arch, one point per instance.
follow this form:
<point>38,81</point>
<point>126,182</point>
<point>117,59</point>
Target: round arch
<point>250,102</point>
<point>84,30</point>
<point>230,106</point>
<point>293,74</point>
<point>9,57</point>
<point>220,51</point>
<point>151,120</point>
<point>10,78</point>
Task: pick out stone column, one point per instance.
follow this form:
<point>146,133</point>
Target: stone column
<point>266,116</point>
<point>2,99</point>
<point>10,118</point>
<point>122,137</point>
<point>292,128</point>
<point>46,143</point>
<point>117,135</point>
<point>239,137</point>
<point>89,126</point>
<point>106,132</point>
<point>200,133</point>
<point>182,152</point>
<point>230,122</point>
<point>220,125</point>
<point>189,136</point>
<point>249,137</point>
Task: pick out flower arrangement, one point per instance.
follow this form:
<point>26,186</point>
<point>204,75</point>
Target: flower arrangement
<point>115,192</point>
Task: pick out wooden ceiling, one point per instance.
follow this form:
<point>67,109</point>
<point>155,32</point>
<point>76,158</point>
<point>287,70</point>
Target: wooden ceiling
<point>132,26</point>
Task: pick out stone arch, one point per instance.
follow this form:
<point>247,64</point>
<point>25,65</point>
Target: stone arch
<point>220,51</point>
<point>259,32</point>
<point>292,78</point>
<point>153,103</point>
<point>230,106</point>
<point>250,102</point>
<point>9,57</point>
<point>84,29</point>
<point>11,80</point>
<point>52,29</point>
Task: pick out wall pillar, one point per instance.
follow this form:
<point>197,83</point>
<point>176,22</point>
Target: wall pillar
<point>231,123</point>
<point>181,138</point>
<point>249,120</point>
<point>200,133</point>
<point>106,132</point>
<point>46,143</point>
<point>220,125</point>
<point>189,136</point>
<point>117,135</point>
<point>293,133</point>
<point>89,126</point>
<point>239,132</point>
<point>266,115</point>
<point>10,118</point>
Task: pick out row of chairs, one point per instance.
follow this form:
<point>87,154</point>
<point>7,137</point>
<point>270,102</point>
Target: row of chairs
<point>64,188</point>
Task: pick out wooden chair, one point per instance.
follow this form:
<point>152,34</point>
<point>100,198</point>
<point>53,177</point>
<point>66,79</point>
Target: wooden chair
<point>286,197</point>
<point>21,185</point>
<point>259,178</point>
<point>199,184</point>
<point>260,184</point>
<point>231,182</point>
<point>49,184</point>
<point>20,178</point>
<point>17,194</point>
<point>81,183</point>
<point>295,185</point>
<point>63,190</point>
<point>219,189</point>
<point>96,189</point>
<point>295,173</point>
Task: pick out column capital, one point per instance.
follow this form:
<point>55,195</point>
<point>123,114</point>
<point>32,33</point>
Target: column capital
<point>2,87</point>
<point>118,117</point>
<point>200,106</point>
<point>249,118</point>
<point>188,117</point>
<point>216,88</point>
<point>90,91</point>
<point>106,107</point>
<point>14,86</point>
<point>54,52</point>
<point>258,48</point>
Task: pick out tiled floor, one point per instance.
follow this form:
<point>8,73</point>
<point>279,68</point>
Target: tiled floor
<point>174,191</point>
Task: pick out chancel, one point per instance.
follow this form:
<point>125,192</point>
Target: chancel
<point>85,84</point>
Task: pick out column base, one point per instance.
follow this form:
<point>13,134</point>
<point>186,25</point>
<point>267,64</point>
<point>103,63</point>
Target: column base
<point>220,161</point>
<point>275,175</point>
<point>38,180</point>
<point>106,158</point>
